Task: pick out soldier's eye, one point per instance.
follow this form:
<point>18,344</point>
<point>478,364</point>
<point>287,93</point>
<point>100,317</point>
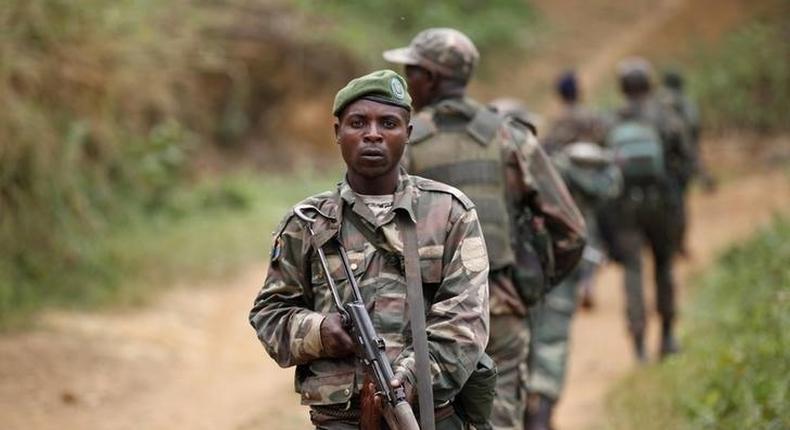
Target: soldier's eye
<point>357,123</point>
<point>388,123</point>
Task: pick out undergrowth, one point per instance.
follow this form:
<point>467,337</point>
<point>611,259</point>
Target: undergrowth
<point>734,371</point>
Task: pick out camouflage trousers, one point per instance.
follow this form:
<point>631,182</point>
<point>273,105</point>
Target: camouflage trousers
<point>550,324</point>
<point>508,346</point>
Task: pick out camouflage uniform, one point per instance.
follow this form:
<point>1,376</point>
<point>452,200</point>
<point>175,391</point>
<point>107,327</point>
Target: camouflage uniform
<point>498,164</point>
<point>575,124</point>
<point>294,300</point>
<point>687,110</point>
<point>650,213</point>
<point>591,183</point>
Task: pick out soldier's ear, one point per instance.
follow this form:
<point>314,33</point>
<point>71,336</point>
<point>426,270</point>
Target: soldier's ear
<point>408,130</point>
<point>336,126</point>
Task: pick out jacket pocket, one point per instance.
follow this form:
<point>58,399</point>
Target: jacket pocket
<point>328,389</point>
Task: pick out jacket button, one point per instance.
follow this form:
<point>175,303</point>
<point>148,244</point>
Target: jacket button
<point>354,266</point>
<point>346,391</point>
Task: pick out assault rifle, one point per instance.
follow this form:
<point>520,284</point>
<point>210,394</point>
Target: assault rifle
<point>370,345</point>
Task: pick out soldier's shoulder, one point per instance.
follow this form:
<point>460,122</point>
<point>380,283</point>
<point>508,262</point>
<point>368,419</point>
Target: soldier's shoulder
<point>430,186</point>
<point>324,202</point>
<point>423,127</point>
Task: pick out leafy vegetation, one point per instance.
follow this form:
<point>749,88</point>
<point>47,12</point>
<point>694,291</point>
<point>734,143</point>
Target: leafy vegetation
<point>202,231</point>
<point>370,26</point>
<point>734,372</point>
<point>744,81</point>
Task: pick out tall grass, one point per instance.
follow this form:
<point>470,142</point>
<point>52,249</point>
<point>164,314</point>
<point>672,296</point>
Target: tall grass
<point>734,372</point>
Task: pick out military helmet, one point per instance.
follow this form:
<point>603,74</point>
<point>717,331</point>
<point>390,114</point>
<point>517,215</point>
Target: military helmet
<point>635,75</point>
<point>444,51</point>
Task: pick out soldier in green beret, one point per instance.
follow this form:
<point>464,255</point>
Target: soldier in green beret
<point>294,314</point>
<point>498,163</point>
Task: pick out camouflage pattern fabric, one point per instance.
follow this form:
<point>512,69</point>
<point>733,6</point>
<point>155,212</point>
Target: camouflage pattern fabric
<point>290,307</point>
<point>532,184</point>
<point>550,321</point>
<point>445,51</point>
<point>575,124</point>
<point>509,349</point>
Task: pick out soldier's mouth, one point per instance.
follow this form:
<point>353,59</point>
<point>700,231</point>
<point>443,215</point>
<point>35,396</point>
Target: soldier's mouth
<point>371,154</point>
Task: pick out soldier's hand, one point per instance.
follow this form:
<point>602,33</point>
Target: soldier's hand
<point>400,380</point>
<point>334,337</point>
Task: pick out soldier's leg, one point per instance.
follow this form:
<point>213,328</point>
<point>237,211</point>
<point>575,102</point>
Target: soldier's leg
<point>630,242</point>
<point>508,347</point>
<point>663,252</point>
<point>550,323</point>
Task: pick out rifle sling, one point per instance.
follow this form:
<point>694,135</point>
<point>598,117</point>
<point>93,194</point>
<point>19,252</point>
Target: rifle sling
<point>416,305</point>
<point>416,309</point>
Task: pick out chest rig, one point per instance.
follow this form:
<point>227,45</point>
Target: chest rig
<point>455,142</point>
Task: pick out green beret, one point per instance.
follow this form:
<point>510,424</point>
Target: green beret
<point>383,86</point>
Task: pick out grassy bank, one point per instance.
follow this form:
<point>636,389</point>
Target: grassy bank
<point>207,230</point>
<point>734,372</point>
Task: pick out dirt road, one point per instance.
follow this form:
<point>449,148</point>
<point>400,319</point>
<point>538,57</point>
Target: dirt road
<point>191,360</point>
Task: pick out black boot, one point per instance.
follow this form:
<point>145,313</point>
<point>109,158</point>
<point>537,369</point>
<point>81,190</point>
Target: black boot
<point>639,347</point>
<point>538,413</point>
<point>668,344</point>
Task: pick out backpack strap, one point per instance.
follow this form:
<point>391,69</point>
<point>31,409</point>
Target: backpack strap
<point>484,125</point>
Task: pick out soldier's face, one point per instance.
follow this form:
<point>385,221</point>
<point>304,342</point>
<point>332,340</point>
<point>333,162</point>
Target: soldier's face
<point>421,86</point>
<point>372,137</point>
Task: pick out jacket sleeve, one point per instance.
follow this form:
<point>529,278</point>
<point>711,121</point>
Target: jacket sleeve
<point>282,314</point>
<point>542,190</point>
<point>457,321</point>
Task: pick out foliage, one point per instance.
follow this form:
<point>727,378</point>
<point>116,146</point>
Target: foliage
<point>734,372</point>
<point>744,81</point>
<point>202,230</point>
<point>370,26</point>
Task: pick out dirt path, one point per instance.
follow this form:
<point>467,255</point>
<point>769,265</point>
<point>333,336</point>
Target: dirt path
<point>601,353</point>
<point>192,361</point>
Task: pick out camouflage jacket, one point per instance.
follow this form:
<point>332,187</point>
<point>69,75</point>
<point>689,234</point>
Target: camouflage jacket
<point>290,307</point>
<point>575,124</point>
<point>533,187</point>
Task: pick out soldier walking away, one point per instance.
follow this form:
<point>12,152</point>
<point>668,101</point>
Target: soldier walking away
<point>577,123</point>
<point>378,224</point>
<point>497,162</point>
<point>592,178</point>
<point>651,149</point>
<point>674,96</point>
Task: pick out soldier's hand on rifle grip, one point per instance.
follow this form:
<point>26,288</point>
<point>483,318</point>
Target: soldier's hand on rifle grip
<point>336,340</point>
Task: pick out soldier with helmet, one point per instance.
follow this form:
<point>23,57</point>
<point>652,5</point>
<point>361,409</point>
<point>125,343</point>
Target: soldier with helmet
<point>497,162</point>
<point>651,148</point>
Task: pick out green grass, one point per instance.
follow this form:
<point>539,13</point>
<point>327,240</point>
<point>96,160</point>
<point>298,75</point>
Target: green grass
<point>202,232</point>
<point>734,372</point>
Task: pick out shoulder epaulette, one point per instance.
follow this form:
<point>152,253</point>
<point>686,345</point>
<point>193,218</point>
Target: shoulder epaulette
<point>423,127</point>
<point>484,125</point>
<point>430,185</point>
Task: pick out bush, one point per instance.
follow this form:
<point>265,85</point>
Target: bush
<point>734,372</point>
<point>744,82</point>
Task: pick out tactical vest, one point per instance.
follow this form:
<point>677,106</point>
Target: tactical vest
<point>454,142</point>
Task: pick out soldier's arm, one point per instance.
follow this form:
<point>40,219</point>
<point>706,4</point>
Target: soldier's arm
<point>457,322</point>
<point>281,315</point>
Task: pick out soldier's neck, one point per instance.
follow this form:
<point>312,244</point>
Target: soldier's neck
<point>380,185</point>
